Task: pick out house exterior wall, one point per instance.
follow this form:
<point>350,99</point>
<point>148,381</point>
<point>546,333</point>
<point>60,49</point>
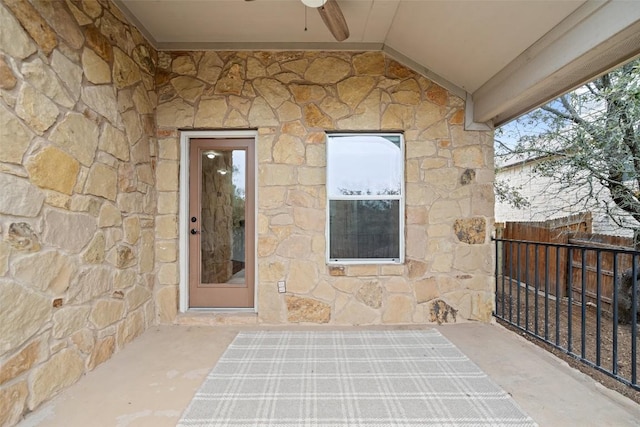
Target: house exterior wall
<point>77,194</point>
<point>292,98</point>
<point>549,200</point>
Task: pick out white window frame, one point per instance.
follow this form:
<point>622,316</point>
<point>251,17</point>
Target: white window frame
<point>400,198</point>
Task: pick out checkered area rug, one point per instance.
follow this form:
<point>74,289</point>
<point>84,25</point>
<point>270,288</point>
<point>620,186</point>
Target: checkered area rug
<point>365,378</point>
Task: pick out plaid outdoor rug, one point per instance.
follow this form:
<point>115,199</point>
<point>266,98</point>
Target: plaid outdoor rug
<point>368,378</point>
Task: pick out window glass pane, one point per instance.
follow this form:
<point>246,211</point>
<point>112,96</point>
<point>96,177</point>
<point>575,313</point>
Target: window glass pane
<point>364,229</point>
<point>364,165</point>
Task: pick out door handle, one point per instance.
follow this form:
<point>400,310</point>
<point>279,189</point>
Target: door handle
<point>194,231</point>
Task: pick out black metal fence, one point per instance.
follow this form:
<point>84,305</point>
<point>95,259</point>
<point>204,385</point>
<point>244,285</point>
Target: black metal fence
<point>582,300</point>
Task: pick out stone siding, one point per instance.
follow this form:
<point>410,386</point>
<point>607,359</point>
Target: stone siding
<point>78,194</point>
<point>292,98</point>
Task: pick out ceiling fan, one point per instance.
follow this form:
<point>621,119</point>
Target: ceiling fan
<point>332,16</point>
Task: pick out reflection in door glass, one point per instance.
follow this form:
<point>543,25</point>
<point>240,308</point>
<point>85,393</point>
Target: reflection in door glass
<point>223,217</point>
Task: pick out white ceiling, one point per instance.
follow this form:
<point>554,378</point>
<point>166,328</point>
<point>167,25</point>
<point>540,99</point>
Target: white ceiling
<point>463,43</point>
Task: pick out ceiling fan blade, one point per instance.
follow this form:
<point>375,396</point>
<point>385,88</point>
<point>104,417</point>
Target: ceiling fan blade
<point>334,20</point>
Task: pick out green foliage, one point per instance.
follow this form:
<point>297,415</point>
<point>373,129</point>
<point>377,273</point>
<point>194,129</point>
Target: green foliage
<point>587,139</point>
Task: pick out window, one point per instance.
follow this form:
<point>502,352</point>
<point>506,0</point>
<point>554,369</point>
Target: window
<point>365,198</point>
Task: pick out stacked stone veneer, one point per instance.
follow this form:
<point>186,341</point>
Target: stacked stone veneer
<point>77,194</point>
<point>292,98</point>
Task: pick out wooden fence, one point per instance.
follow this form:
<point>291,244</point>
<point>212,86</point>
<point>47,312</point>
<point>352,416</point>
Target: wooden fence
<point>563,268</point>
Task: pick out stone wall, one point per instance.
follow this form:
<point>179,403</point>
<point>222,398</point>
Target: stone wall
<point>292,98</point>
<point>77,194</point>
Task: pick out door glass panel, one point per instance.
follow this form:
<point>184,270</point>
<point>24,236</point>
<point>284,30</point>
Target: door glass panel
<point>223,217</point>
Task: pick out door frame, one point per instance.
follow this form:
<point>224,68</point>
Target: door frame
<point>185,144</point>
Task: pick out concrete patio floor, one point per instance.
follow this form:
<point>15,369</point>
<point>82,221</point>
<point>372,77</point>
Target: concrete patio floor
<point>153,379</point>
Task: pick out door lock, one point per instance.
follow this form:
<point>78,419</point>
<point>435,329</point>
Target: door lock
<point>194,231</point>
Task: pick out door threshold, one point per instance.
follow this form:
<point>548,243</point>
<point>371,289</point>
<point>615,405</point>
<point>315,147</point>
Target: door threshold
<point>211,317</point>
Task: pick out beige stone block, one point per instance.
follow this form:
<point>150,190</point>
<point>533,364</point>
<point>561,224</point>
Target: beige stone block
<point>147,252</point>
<point>261,114</point>
<point>334,108</point>
<point>5,252</point>
<point>327,70</point>
<point>102,181</point>
<point>131,226</point>
<point>263,224</point>
<point>283,219</point>
<point>482,306</point>
<point>443,211</point>
<point>121,256</point>
<point>271,197</point>
<point>355,313</point>
<point>124,279</point>
<point>178,113</point>
<point>318,245</point>
<point>483,200</point>
<point>167,227</point>
<point>426,290</point>
<point>355,89</point>
<point>370,63</point>
<point>168,149</point>
<point>269,175</point>
<point>271,271</point>
<point>166,251</point>
<point>15,137</point>
<point>473,259</point>
<point>273,91</point>
<point>44,79</point>
<point>324,291</point>
<point>53,169</point>
<point>167,176</point>
<point>68,320</point>
<point>362,270</point>
<point>370,294</point>
<point>309,219</point>
<point>295,246</point>
<point>69,231</point>
<point>125,71</point>
<point>95,68</point>
<point>188,88</point>
<point>416,242</point>
<point>398,309</point>
<point>168,274</point>
<point>311,176</point>
<point>13,398</point>
<point>77,135</point>
<point>288,112</point>
<point>303,93</point>
<point>133,130</point>
<point>341,301</point>
<point>397,117</point>
<point>110,216</point>
<point>83,340</point>
<point>102,351</point>
<point>38,111</point>
<point>366,116</point>
<point>302,277</point>
<point>49,271</point>
<point>167,202</point>
<point>392,269</point>
<point>106,312</point>
<point>59,372</point>
<point>469,157</point>
<point>267,245</point>
<point>132,327</point>
<point>136,296</point>
<point>20,362</point>
<point>21,45</point>
<point>314,117</point>
<point>19,197</point>
<point>102,100</point>
<point>442,263</point>
<point>289,150</point>
<point>397,285</point>
<point>167,304</point>
<point>307,310</point>
<point>347,284</point>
